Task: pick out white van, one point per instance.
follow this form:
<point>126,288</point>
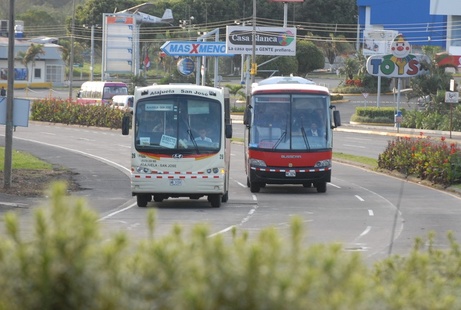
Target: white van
<point>123,102</point>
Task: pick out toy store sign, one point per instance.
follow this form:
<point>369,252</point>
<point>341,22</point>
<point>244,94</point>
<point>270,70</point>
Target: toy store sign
<point>401,63</point>
<point>391,66</point>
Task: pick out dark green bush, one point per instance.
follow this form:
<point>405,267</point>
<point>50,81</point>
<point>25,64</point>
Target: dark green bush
<point>374,115</point>
<point>71,113</point>
<point>441,119</point>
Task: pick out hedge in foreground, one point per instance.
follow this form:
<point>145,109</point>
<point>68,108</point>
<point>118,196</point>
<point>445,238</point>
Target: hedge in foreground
<point>66,264</point>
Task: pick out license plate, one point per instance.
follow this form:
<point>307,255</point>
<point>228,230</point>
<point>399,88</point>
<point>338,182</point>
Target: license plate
<point>176,182</point>
<point>290,173</point>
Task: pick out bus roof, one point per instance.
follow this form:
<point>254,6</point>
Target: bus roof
<point>288,84</point>
<point>179,88</point>
<point>285,80</point>
<point>103,83</point>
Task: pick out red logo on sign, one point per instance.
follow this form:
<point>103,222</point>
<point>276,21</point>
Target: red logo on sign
<point>194,48</point>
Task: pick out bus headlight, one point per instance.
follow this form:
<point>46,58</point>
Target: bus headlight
<point>214,170</point>
<point>142,170</point>
<point>323,163</point>
<point>257,162</point>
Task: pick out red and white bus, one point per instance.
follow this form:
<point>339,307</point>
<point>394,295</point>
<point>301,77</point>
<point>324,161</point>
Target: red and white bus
<point>100,93</point>
<point>288,136</point>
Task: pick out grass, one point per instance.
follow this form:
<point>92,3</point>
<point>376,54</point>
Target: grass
<point>362,160</point>
<point>22,160</point>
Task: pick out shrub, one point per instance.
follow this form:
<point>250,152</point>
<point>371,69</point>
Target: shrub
<point>438,162</point>
<point>384,115</point>
<point>68,112</point>
<point>434,119</point>
<point>66,264</point>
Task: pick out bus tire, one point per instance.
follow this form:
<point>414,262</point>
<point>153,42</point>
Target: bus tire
<point>158,198</point>
<point>321,187</point>
<point>215,200</point>
<point>225,197</point>
<point>255,187</point>
<point>143,199</point>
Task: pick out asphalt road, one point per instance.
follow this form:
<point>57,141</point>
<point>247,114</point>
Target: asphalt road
<point>363,210</point>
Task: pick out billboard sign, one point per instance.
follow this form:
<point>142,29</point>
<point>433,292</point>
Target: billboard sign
<point>377,42</point>
<point>401,63</point>
<point>273,41</point>
<point>194,48</point>
<point>118,43</point>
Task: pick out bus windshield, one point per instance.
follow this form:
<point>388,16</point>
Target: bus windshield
<point>178,124</point>
<point>291,122</point>
<point>111,91</point>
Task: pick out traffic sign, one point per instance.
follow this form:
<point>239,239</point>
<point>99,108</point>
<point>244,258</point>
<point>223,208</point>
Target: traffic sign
<point>194,48</point>
<point>451,97</point>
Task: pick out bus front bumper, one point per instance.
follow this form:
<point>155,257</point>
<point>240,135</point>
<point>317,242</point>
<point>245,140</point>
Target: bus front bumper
<point>290,176</point>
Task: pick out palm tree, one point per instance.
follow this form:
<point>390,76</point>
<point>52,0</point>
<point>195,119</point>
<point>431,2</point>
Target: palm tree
<point>234,90</point>
<point>30,55</point>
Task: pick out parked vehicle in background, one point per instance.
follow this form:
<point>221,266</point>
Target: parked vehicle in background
<point>123,102</point>
<point>100,93</point>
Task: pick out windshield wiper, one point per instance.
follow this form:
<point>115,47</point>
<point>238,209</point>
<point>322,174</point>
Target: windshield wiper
<point>306,141</point>
<point>191,136</point>
<point>282,136</point>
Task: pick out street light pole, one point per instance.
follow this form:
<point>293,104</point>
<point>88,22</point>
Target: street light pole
<point>8,159</point>
<point>71,65</point>
<point>92,53</point>
<point>253,54</point>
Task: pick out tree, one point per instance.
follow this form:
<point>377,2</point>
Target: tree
<point>268,65</point>
<point>38,22</point>
<point>335,46</point>
<point>437,79</point>
<point>351,67</point>
<point>65,49</point>
<point>309,57</point>
<point>30,55</point>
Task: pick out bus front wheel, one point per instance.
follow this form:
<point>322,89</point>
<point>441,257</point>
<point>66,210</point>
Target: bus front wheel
<point>321,187</point>
<point>215,200</point>
<point>143,199</point>
<point>158,198</point>
<point>225,197</point>
<point>255,187</point>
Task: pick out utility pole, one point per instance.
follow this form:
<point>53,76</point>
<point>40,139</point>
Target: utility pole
<point>7,169</point>
<point>71,65</point>
<point>92,54</point>
<point>253,52</point>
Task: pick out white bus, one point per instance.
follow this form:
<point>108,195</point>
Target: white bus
<point>180,143</point>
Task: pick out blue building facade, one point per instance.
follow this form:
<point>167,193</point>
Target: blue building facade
<point>421,22</point>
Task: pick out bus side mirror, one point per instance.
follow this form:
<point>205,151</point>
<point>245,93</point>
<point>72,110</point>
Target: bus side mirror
<point>126,124</point>
<point>247,115</point>
<point>228,131</point>
<point>336,119</point>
